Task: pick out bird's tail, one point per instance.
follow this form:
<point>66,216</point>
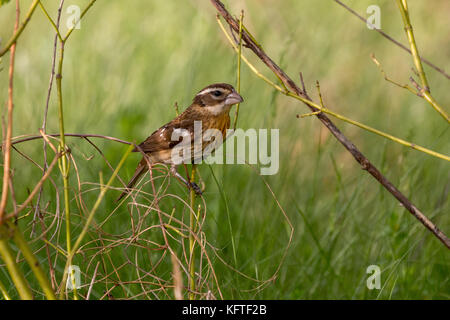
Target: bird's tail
<point>137,174</point>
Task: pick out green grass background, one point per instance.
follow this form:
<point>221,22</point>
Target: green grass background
<point>132,60</point>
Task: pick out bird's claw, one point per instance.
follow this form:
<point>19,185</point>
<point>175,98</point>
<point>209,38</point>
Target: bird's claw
<point>196,188</point>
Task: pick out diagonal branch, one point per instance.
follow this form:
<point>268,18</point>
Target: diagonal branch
<point>18,30</point>
<point>357,155</point>
<point>322,108</point>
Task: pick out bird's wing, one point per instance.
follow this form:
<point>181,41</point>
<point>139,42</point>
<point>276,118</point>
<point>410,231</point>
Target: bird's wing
<point>161,139</point>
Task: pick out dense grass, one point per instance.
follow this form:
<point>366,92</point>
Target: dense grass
<point>130,62</point>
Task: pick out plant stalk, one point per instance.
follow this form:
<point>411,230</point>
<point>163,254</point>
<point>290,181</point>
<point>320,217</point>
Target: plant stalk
<point>192,226</point>
<point>16,274</point>
<point>17,33</point>
<point>425,92</point>
<point>34,264</point>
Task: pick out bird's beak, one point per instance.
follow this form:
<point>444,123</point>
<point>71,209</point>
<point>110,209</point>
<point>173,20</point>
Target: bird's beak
<point>233,98</point>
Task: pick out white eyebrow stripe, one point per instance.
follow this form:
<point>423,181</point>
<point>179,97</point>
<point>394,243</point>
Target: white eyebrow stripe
<point>209,90</point>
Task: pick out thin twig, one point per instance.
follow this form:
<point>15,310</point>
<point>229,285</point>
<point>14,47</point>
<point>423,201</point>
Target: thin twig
<point>177,278</point>
<point>78,135</point>
<point>55,25</point>
<point>7,143</point>
<point>378,64</point>
<point>90,219</point>
<point>85,10</point>
<point>238,85</point>
<point>18,31</point>
<point>47,101</point>
<point>36,189</point>
<point>192,227</point>
<point>92,281</point>
<point>384,34</point>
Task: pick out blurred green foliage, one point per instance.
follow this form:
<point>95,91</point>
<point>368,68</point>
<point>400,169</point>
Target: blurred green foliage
<point>3,2</point>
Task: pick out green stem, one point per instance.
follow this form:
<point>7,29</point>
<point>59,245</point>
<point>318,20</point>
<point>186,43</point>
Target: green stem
<point>4,291</point>
<point>22,244</point>
<point>427,96</point>
<point>16,274</point>
<point>227,209</point>
<point>21,28</point>
<point>81,17</point>
<point>403,6</point>
<point>370,129</point>
<point>51,20</point>
<point>425,92</point>
<point>64,160</point>
<point>191,238</point>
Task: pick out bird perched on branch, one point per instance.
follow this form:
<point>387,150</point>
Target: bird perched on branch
<point>189,132</point>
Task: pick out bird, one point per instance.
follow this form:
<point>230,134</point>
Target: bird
<point>210,107</point>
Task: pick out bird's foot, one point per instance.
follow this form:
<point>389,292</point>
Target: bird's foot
<point>196,188</point>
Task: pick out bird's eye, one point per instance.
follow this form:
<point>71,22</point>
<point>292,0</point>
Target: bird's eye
<point>217,93</point>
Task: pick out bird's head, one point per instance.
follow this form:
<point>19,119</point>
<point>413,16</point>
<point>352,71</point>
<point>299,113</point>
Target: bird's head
<point>217,98</point>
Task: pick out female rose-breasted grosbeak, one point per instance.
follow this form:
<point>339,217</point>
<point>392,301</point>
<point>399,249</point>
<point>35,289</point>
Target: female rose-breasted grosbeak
<point>210,108</point>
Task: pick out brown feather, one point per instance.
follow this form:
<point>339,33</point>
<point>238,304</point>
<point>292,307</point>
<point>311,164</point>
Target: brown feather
<point>159,145</point>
